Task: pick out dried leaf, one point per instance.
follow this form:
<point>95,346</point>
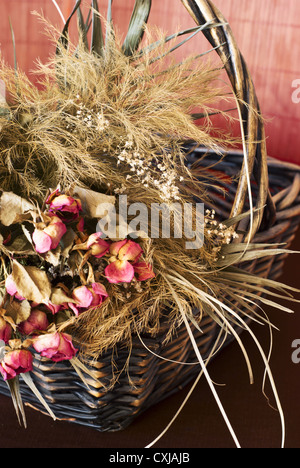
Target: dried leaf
<point>18,311</point>
<point>8,319</point>
<point>246,256</point>
<point>32,283</point>
<point>53,256</point>
<point>14,387</point>
<point>97,42</point>
<point>59,297</point>
<point>67,243</point>
<point>136,27</point>
<point>93,202</point>
<point>27,234</point>
<point>64,40</point>
<point>28,380</point>
<point>20,245</point>
<point>12,207</point>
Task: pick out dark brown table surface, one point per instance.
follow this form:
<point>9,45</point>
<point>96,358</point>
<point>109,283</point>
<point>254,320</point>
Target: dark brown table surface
<point>200,424</point>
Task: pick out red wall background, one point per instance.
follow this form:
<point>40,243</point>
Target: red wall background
<point>268,33</point>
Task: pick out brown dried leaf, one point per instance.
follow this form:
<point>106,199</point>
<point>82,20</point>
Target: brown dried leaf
<point>32,283</point>
<point>59,297</point>
<point>53,256</point>
<point>93,202</point>
<point>67,242</point>
<point>12,207</point>
<point>7,318</point>
<point>20,245</point>
<point>18,311</point>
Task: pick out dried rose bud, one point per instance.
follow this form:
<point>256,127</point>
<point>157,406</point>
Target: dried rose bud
<point>36,321</point>
<point>120,270</point>
<point>5,330</point>
<point>48,238</point>
<point>87,297</point>
<point>17,361</point>
<point>55,346</point>
<point>97,246</point>
<point>66,207</point>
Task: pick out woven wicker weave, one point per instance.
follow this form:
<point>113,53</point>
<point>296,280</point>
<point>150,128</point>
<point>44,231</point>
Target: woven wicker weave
<point>276,186</point>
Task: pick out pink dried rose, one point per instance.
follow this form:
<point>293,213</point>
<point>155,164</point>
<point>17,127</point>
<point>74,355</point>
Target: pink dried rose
<point>120,268</point>
<point>17,361</point>
<point>119,271</point>
<point>94,245</point>
<point>48,238</point>
<point>66,207</point>
<point>56,346</point>
<point>36,321</point>
<point>126,250</point>
<point>11,288</point>
<point>87,297</point>
<point>5,330</point>
<point>97,246</point>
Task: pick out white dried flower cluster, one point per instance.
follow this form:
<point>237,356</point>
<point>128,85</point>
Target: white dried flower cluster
<point>119,190</point>
<point>218,231</point>
<point>90,118</point>
<point>161,176</point>
<point>167,183</point>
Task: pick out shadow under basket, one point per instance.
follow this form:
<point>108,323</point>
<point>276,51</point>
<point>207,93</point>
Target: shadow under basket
<point>153,379</point>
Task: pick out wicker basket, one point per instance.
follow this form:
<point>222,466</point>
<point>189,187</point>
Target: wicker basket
<point>276,186</point>
<point>154,378</point>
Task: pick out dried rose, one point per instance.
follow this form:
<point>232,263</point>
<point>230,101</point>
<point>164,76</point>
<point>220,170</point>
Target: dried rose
<point>5,330</point>
<point>64,206</point>
<point>119,271</point>
<point>96,245</point>
<point>17,361</point>
<point>87,297</point>
<point>36,321</point>
<point>126,250</point>
<point>55,346</point>
<point>120,268</point>
<point>48,238</point>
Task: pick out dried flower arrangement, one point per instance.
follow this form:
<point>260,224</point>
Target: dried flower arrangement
<point>107,120</point>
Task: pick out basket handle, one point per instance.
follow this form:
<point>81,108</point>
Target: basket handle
<point>222,38</point>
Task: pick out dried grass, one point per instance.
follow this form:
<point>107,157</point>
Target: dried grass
<point>119,124</point>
